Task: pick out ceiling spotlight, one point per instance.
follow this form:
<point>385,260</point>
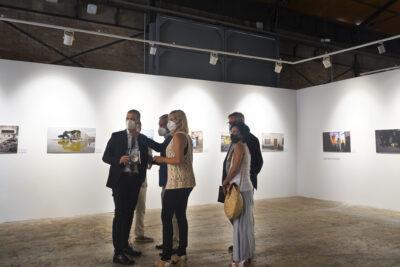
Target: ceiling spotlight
<point>52,1</point>
<point>213,58</point>
<point>278,67</point>
<point>327,62</point>
<point>381,49</point>
<point>91,9</point>
<point>153,50</point>
<point>68,38</point>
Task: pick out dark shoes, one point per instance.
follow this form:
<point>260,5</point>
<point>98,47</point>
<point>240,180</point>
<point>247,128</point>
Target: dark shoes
<point>123,259</point>
<point>129,251</point>
<point>230,249</point>
<point>159,247</point>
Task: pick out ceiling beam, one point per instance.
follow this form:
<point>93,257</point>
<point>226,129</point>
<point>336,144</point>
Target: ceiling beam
<point>376,14</point>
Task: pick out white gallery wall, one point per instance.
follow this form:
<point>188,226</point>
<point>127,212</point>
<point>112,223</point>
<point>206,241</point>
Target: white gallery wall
<point>34,184</point>
<point>361,106</point>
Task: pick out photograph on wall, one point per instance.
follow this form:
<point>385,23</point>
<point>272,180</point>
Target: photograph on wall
<point>8,139</point>
<point>336,142</point>
<point>272,142</point>
<point>225,142</point>
<point>197,140</point>
<point>388,141</point>
<point>71,140</point>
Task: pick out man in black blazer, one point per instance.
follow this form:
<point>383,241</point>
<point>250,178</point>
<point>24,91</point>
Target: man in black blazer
<point>127,154</point>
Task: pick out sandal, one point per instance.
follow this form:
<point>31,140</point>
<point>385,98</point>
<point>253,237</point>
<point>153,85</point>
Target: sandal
<point>178,259</point>
<point>161,263</point>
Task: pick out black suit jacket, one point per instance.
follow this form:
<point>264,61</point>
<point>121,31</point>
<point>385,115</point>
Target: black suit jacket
<point>117,147</point>
<point>256,159</point>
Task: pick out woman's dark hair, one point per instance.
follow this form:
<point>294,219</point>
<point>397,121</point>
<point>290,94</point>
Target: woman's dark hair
<point>243,129</point>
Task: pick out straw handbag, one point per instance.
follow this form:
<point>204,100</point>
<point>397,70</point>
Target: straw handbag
<point>233,204</point>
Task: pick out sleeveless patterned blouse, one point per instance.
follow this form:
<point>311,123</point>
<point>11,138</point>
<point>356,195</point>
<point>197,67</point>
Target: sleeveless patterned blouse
<point>181,175</point>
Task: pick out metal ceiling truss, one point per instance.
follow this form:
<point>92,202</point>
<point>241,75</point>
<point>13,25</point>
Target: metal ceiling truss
<point>183,47</point>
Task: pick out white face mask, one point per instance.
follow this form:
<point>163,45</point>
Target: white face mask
<point>171,126</point>
<point>130,125</point>
<point>162,131</point>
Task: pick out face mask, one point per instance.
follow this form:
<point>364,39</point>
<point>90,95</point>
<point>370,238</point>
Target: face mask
<point>171,126</point>
<point>235,138</point>
<point>162,131</point>
<point>130,125</point>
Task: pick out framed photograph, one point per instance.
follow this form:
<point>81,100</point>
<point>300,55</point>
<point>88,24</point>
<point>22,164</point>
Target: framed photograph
<point>8,139</point>
<point>197,140</point>
<point>388,141</point>
<point>336,142</point>
<point>71,140</point>
<point>225,142</point>
<point>272,142</point>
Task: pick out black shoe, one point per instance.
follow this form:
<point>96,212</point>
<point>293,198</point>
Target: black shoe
<point>159,247</point>
<point>230,249</point>
<point>122,259</point>
<point>174,252</point>
<point>129,251</point>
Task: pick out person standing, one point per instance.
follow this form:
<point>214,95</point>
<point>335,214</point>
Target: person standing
<point>238,172</point>
<point>180,182</point>
<point>127,155</point>
<point>141,209</point>
<point>253,145</point>
<point>163,172</point>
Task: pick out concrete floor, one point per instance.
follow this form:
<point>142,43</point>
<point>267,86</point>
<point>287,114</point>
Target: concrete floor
<point>289,232</point>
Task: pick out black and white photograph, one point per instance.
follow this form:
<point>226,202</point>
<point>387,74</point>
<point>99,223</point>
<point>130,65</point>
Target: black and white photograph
<point>8,139</point>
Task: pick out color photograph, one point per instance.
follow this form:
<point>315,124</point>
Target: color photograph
<point>8,139</point>
<point>388,141</point>
<point>71,140</point>
<point>272,142</point>
<point>225,142</point>
<point>197,140</point>
<point>336,142</point>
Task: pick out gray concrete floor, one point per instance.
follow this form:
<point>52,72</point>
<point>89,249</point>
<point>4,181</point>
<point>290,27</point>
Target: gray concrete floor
<point>289,232</point>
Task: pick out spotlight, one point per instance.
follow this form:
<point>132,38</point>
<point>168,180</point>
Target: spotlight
<point>91,9</point>
<point>68,38</point>
<point>381,49</point>
<point>153,50</point>
<point>213,58</point>
<point>52,1</point>
<point>327,62</point>
<point>278,67</point>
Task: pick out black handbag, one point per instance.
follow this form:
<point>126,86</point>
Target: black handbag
<point>221,195</point>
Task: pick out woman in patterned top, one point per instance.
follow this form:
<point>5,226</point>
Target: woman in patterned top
<point>181,180</point>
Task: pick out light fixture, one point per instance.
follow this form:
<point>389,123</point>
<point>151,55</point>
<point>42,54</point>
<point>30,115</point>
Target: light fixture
<point>381,49</point>
<point>213,58</point>
<point>327,62</point>
<point>52,1</point>
<point>91,9</point>
<point>68,38</point>
<point>278,67</point>
<point>153,50</point>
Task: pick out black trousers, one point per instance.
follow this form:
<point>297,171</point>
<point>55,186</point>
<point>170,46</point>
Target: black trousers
<point>125,195</point>
<point>174,201</point>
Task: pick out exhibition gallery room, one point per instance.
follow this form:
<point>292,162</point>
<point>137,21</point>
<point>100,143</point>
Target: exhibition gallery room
<point>200,133</point>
